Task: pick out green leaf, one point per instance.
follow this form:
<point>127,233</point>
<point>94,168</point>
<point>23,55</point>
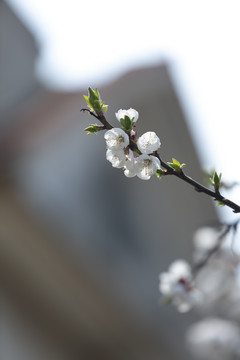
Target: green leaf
<point>92,129</point>
<point>94,101</point>
<point>159,173</point>
<point>93,94</point>
<point>97,93</point>
<point>105,107</point>
<point>87,100</point>
<point>96,105</point>
<point>220,203</point>
<point>176,165</point>
<point>215,179</point>
<point>212,181</point>
<point>126,124</point>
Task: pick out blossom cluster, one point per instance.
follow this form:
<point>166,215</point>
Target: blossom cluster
<point>214,339</point>
<point>212,288</point>
<point>120,154</point>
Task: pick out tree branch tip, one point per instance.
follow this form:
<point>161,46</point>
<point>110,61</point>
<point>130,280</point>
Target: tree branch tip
<point>91,113</point>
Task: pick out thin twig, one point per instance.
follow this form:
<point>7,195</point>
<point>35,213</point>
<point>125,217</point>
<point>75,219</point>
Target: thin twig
<point>91,113</point>
<point>212,251</point>
<point>199,187</point>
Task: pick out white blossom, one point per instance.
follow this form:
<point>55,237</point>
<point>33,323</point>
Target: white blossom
<point>116,158</point>
<point>147,166</point>
<point>207,238</point>
<point>148,142</point>
<point>217,280</point>
<point>204,240</point>
<point>131,166</point>
<point>116,139</point>
<point>230,305</point>
<point>177,286</point>
<point>131,113</point>
<point>213,339</point>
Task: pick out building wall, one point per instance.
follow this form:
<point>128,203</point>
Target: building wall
<point>81,245</point>
<point>18,52</point>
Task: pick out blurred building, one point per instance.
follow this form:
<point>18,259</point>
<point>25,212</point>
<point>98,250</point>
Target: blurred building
<point>81,246</point>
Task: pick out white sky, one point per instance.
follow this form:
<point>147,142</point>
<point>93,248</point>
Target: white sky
<point>200,39</point>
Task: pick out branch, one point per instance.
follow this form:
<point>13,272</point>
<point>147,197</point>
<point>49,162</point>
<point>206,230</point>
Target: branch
<point>100,117</point>
<point>212,251</point>
<point>199,187</point>
<point>170,171</point>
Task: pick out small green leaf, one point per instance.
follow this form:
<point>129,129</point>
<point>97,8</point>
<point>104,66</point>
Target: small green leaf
<point>212,181</point>
<point>94,101</point>
<point>87,100</point>
<point>176,165</point>
<point>105,107</point>
<point>220,203</point>
<point>96,105</point>
<point>215,179</point>
<point>93,94</point>
<point>159,173</point>
<point>126,124</point>
<point>92,129</point>
<point>176,162</point>
<point>97,93</point>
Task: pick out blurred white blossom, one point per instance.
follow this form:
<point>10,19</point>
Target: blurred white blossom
<point>218,277</point>
<point>204,240</point>
<point>177,286</point>
<point>213,339</point>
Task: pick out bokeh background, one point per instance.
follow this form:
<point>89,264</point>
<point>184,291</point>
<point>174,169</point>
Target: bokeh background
<point>81,246</point>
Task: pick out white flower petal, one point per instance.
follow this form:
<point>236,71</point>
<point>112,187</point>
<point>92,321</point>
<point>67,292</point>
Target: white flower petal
<point>131,113</point>
<point>165,284</point>
<point>213,339</point>
<point>120,114</point>
<point>148,165</point>
<point>148,142</point>
<point>131,165</point>
<point>116,139</point>
<point>116,158</point>
<point>177,286</point>
<point>180,269</point>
